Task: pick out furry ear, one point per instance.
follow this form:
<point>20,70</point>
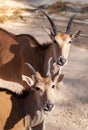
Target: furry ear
<point>28,80</point>
<point>49,32</point>
<point>76,34</point>
<point>61,76</point>
<point>57,77</point>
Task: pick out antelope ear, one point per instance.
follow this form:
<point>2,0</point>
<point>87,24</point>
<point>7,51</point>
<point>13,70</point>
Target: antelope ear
<point>76,34</point>
<point>28,80</point>
<point>49,32</point>
<point>61,76</point>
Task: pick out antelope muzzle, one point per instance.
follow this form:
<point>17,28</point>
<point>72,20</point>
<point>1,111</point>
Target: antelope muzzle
<point>61,61</point>
<point>48,106</point>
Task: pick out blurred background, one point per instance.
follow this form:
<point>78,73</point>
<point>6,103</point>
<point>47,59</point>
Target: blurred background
<point>28,13</point>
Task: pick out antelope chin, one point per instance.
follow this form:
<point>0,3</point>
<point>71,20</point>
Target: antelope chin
<point>61,64</point>
<point>46,113</point>
<point>66,62</point>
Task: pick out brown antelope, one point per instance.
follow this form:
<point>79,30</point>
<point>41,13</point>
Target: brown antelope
<point>38,55</point>
<point>28,111</point>
<point>15,50</point>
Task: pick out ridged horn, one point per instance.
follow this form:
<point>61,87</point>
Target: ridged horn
<point>70,24</point>
<point>51,23</point>
<point>33,71</point>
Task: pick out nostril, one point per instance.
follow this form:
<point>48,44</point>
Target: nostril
<point>51,106</point>
<point>61,61</point>
<point>48,106</point>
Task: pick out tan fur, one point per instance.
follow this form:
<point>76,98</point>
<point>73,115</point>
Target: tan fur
<point>63,41</point>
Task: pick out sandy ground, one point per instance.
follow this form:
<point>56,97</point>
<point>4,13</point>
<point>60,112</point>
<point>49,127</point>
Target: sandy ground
<point>71,111</point>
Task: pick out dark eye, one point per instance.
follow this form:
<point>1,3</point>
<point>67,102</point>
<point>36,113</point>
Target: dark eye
<point>53,86</point>
<point>37,88</point>
<point>70,41</point>
<point>55,41</point>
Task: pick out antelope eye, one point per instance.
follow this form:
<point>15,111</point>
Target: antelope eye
<point>55,41</point>
<point>53,86</point>
<point>37,88</point>
<point>70,41</point>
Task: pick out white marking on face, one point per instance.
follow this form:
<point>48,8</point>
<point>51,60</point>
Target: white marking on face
<point>63,43</point>
<point>45,93</point>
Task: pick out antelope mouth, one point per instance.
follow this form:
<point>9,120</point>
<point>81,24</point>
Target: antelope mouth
<point>60,64</point>
<point>46,109</point>
<point>49,107</point>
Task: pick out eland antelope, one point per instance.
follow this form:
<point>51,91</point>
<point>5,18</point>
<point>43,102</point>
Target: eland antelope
<point>27,112</point>
<point>15,50</point>
<point>38,54</point>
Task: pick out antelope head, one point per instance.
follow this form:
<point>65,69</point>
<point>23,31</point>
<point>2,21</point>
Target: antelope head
<point>44,88</point>
<point>61,41</point>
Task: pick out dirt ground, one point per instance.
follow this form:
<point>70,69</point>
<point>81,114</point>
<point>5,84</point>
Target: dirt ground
<point>71,110</point>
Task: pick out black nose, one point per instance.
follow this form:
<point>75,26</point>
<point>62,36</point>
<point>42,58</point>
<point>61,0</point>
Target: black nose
<point>61,61</point>
<point>48,106</point>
